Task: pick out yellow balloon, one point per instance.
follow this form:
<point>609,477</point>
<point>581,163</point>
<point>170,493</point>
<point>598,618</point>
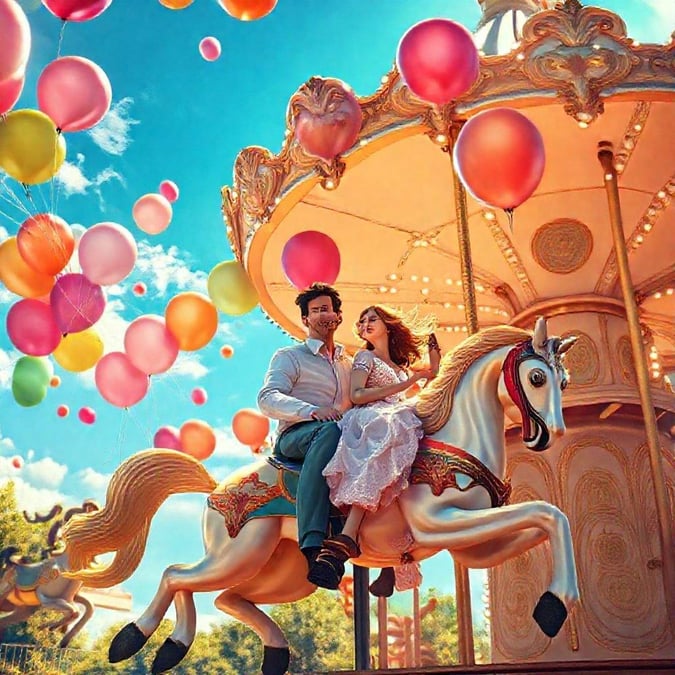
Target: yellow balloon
<point>79,351</point>
<point>176,4</point>
<point>31,150</point>
<point>231,289</point>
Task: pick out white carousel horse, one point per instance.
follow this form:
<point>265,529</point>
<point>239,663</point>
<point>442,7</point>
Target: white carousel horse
<point>457,485</point>
<point>26,587</point>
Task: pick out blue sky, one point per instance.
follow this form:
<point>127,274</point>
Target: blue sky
<point>175,116</point>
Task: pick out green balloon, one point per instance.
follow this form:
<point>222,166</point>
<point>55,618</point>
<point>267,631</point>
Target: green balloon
<point>30,380</point>
<point>230,288</point>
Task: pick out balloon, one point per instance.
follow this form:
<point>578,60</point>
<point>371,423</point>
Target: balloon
<point>55,381</point>
<point>197,439</point>
<point>250,427</point>
<point>86,415</point>
<point>169,190</point>
<point>74,92</point>
<point>176,4</point>
<point>499,156</point>
<point>30,149</point>
<point>15,39</point>
<point>152,213</point>
<point>310,256</point>
<point>46,243</point>
<point>78,352</point>
<point>167,437</point>
<point>32,329</point>
<point>10,90</point>
<point>63,411</point>
<point>199,396</point>
<point>76,10</point>
<point>18,276</point>
<point>30,380</point>
<point>248,10</point>
<point>209,48</point>
<point>17,462</point>
<point>230,288</point>
<point>149,345</point>
<point>119,381</point>
<point>76,302</point>
<point>438,60</point>
<point>227,352</point>
<point>107,253</point>
<point>327,131</point>
<point>193,320</point>
<point>139,288</point>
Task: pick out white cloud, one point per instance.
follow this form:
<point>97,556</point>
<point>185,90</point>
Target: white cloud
<point>664,11</point>
<point>160,268</point>
<point>6,444</point>
<point>72,179</point>
<point>113,133</point>
<point>188,365</point>
<point>190,508</point>
<point>4,234</point>
<point>94,482</point>
<point>28,496</point>
<point>46,472</point>
<point>7,361</point>
<point>228,446</point>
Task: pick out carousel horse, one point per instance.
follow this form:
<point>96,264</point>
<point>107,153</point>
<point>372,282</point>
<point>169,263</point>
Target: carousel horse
<point>26,587</point>
<point>457,501</point>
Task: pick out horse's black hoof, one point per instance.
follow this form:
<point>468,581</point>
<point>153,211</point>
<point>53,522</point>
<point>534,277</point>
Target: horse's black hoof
<point>275,660</point>
<point>126,643</point>
<point>170,654</point>
<point>383,586</point>
<point>550,614</point>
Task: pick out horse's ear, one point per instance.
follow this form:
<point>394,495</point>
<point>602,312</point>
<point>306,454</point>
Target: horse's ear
<point>540,336</point>
<point>566,344</point>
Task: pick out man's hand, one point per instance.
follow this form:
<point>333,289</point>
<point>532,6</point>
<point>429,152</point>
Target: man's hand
<point>422,374</point>
<point>326,415</point>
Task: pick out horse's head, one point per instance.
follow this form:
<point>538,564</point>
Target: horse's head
<point>531,385</point>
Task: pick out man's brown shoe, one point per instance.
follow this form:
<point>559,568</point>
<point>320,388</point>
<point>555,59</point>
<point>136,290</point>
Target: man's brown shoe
<point>329,566</point>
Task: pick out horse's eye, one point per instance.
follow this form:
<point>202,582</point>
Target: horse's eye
<point>537,377</point>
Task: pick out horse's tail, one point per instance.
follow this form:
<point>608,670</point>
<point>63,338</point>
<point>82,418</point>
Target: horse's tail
<point>136,490</point>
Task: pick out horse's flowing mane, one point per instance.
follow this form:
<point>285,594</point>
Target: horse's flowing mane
<point>434,404</point>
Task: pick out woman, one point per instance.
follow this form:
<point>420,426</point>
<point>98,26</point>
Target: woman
<point>381,433</point>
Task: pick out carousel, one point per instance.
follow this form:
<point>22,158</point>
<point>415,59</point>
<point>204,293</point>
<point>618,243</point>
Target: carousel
<point>377,196</point>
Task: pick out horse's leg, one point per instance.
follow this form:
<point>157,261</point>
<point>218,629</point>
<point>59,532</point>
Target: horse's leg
<point>69,611</point>
<point>79,625</point>
<point>500,549</point>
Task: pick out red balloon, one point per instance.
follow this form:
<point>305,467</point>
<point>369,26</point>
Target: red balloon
<point>31,327</point>
<point>17,462</point>
<point>310,256</point>
<point>87,415</point>
<point>140,288</point>
<point>326,125</point>
<point>199,396</point>
<point>76,10</point>
<point>250,427</point>
<point>499,156</point>
<point>438,60</point>
<point>62,411</point>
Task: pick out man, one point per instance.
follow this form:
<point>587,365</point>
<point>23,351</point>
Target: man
<point>306,388</point>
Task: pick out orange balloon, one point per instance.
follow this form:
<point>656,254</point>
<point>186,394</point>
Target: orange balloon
<point>176,4</point>
<point>227,352</point>
<point>55,381</point>
<point>46,243</point>
<point>248,10</point>
<point>197,439</point>
<point>192,319</point>
<point>18,275</point>
<point>250,427</point>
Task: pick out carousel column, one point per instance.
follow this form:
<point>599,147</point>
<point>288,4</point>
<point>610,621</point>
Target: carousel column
<point>606,158</point>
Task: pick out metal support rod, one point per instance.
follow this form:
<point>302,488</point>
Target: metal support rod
<point>417,629</point>
<point>361,618</point>
<point>606,157</point>
<point>382,634</point>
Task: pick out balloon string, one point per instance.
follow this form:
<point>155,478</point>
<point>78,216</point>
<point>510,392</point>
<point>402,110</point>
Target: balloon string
<point>509,216</point>
<point>121,435</point>
<point>61,32</point>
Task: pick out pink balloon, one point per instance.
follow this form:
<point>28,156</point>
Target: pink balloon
<point>167,437</point>
<point>499,156</point>
<point>86,415</point>
<point>74,92</point>
<point>149,344</point>
<point>209,48</point>
<point>199,396</point>
<point>10,91</point>
<point>438,60</point>
<point>76,302</point>
<point>107,253</point>
<point>76,10</point>
<point>32,329</point>
<point>119,381</point>
<point>152,213</point>
<point>169,190</point>
<point>328,133</point>
<point>310,256</point>
<point>15,39</point>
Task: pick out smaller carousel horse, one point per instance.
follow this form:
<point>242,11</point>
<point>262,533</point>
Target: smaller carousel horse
<point>457,501</point>
<point>26,587</point>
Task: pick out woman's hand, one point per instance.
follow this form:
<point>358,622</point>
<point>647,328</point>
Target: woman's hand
<point>421,374</point>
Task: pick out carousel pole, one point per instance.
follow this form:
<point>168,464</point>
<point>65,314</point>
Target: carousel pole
<point>462,586</point>
<point>361,618</point>
<point>606,158</point>
<point>382,634</point>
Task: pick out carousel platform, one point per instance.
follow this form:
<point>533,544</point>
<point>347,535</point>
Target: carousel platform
<point>614,667</point>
